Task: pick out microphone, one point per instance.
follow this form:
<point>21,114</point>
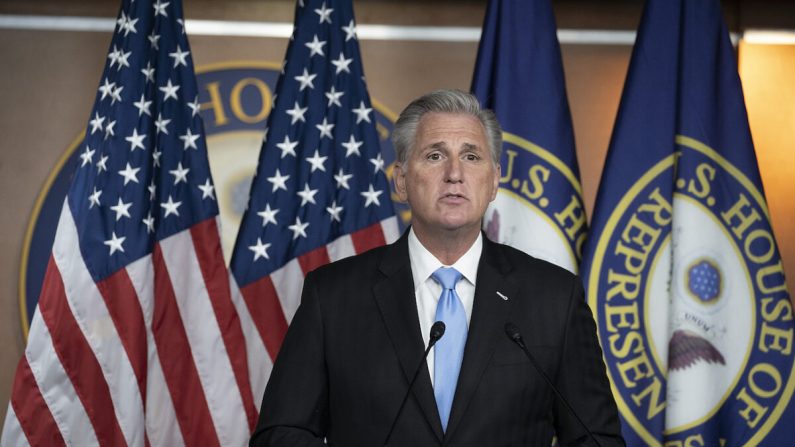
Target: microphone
<point>513,333</point>
<point>437,330</point>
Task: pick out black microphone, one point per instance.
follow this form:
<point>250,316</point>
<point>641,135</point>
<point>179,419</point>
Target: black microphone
<point>437,330</point>
<point>513,333</point>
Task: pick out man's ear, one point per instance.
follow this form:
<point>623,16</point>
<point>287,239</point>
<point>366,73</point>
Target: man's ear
<point>496,184</point>
<point>399,177</point>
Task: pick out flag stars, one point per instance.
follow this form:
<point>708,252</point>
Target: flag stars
<point>149,72</point>
<point>152,189</point>
<point>143,106</point>
<point>268,215</point>
<point>324,13</point>
<point>334,211</point>
<point>130,174</point>
<point>87,156</point>
<point>378,163</point>
<point>342,179</point>
<point>350,31</point>
<point>93,198</point>
<point>156,157</point>
<point>334,97</point>
<point>113,56</point>
<point>135,140</point>
<point>317,161</point>
<point>307,195</point>
<point>121,209</point>
<point>352,147</point>
<point>297,112</point>
<point>287,147</point>
<point>123,60</point>
<point>342,64</point>
<point>179,57</point>
<point>298,228</point>
<point>316,46</point>
<point>279,181</point>
<point>109,129</point>
<point>96,122</point>
<point>160,8</point>
<point>106,88</point>
<point>115,95</point>
<point>306,80</point>
<point>180,174</point>
<point>169,91</point>
<point>102,164</point>
<point>362,113</point>
<point>170,207</point>
<point>325,129</point>
<point>260,250</point>
<point>153,40</point>
<point>207,189</point>
<point>149,221</point>
<point>189,140</point>
<point>115,243</point>
<point>371,196</point>
<point>161,123</point>
<point>194,106</point>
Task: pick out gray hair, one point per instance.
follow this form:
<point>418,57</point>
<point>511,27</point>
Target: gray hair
<point>444,101</point>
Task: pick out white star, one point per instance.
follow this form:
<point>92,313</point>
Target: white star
<point>297,113</point>
<point>127,24</point>
<point>129,174</point>
<point>287,146</point>
<point>153,38</point>
<point>136,140</point>
<point>362,113</point>
<point>324,13</point>
<point>334,97</point>
<point>180,174</point>
<point>115,95</point>
<point>305,80</point>
<point>143,106</point>
<point>122,209</point>
<point>149,72</point>
<point>102,164</point>
<point>123,62</point>
<point>179,57</point>
<point>371,196</point>
<point>342,64</point>
<point>152,188</point>
<point>106,88</point>
<point>109,129</point>
<point>350,31</point>
<point>169,90</point>
<point>316,161</point>
<point>115,243</point>
<point>87,156</point>
<point>325,129</point>
<point>149,221</point>
<point>93,199</point>
<point>114,56</point>
<point>260,250</point>
<point>96,123</point>
<point>352,146</point>
<point>189,140</point>
<point>268,215</point>
<point>279,181</point>
<point>160,8</point>
<point>182,24</point>
<point>315,47</point>
<point>161,124</point>
<point>194,106</point>
<point>307,195</point>
<point>170,207</point>
<point>156,157</point>
<point>342,179</point>
<point>208,190</point>
<point>334,211</point>
<point>298,228</point>
<point>378,162</point>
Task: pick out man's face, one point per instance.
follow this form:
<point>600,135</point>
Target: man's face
<point>449,178</point>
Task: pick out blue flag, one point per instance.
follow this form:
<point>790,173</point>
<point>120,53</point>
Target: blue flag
<point>519,75</point>
<point>681,268</point>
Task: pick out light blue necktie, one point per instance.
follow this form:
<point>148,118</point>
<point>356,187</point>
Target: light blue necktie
<point>449,350</point>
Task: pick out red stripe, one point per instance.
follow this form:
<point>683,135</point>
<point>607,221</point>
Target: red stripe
<point>266,311</point>
<point>216,278</point>
<point>313,259</point>
<point>32,412</point>
<point>367,238</point>
<point>179,367</point>
<point>78,359</point>
<point>122,302</point>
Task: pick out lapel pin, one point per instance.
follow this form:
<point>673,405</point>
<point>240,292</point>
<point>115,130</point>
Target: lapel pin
<point>505,298</point>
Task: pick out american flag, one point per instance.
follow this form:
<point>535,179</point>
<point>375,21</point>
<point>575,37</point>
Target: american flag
<point>320,192</point>
<point>136,339</point>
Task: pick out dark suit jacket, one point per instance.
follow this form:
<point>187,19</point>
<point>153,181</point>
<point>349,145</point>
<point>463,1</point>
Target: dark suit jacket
<point>355,343</point>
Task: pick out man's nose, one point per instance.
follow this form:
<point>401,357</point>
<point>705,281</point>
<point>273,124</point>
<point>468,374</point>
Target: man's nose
<point>453,172</point>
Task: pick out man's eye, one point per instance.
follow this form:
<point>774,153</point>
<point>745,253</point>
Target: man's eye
<point>472,157</point>
<point>435,156</point>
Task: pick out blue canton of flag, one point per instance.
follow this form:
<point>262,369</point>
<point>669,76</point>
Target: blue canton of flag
<point>320,192</point>
<point>519,75</point>
<point>136,339</point>
<point>681,268</point>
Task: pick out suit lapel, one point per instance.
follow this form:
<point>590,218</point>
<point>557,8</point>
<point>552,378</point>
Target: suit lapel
<point>489,313</point>
<point>394,295</point>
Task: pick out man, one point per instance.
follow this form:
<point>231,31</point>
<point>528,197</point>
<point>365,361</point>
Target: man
<point>363,324</point>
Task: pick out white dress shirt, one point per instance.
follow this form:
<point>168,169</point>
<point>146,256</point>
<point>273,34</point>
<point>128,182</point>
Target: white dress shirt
<point>427,291</point>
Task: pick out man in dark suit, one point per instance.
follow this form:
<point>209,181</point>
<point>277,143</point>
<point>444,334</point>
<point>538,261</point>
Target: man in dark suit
<point>363,323</point>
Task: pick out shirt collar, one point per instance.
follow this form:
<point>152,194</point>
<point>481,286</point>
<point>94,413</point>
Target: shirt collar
<point>424,263</point>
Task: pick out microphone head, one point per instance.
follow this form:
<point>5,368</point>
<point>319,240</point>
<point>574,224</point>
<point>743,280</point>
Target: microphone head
<point>437,330</point>
<point>513,332</point>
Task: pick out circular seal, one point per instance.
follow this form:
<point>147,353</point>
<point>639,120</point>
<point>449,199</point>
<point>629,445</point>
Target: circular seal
<point>236,99</point>
<point>538,208</point>
<point>693,313</point>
